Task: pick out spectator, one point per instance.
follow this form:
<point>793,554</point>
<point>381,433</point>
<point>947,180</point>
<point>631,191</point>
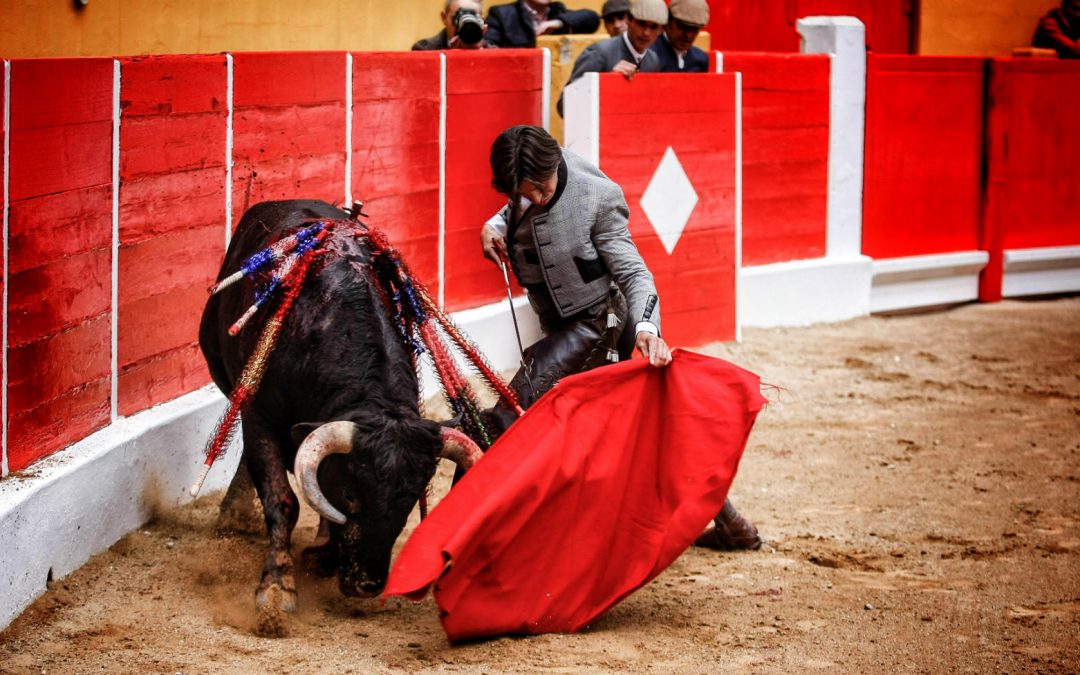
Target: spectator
<point>628,53</point>
<point>464,28</point>
<point>675,47</point>
<point>1060,30</point>
<point>616,16</point>
<point>518,24</point>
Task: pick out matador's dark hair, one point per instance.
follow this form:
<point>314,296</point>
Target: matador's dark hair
<point>523,153</point>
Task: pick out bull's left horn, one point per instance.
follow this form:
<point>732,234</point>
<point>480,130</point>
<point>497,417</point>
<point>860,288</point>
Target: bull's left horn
<point>330,438</point>
<point>460,448</point>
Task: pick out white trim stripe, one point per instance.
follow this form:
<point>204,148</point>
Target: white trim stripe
<point>348,128</point>
<point>738,196</point>
<point>228,147</point>
<point>4,321</point>
<point>442,179</point>
<point>545,98</point>
<point>719,61</point>
<point>115,318</point>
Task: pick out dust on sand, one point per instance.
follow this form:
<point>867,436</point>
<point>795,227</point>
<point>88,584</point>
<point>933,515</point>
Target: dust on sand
<point>917,483</point>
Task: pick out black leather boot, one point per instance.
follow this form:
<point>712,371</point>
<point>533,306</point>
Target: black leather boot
<point>731,532</point>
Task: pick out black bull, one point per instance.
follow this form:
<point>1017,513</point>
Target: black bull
<point>337,405</point>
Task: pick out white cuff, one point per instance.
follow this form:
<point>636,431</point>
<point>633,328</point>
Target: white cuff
<point>498,223</point>
<point>646,327</point>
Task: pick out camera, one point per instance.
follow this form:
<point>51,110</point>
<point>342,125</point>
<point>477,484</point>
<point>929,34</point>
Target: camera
<point>469,26</point>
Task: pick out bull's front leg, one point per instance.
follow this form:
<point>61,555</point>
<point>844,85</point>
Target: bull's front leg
<point>264,455</point>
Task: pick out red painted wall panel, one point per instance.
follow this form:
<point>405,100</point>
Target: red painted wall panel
<point>60,280</point>
<point>288,127</point>
<point>923,155</point>
<point>770,26</point>
<point>395,164</point>
<point>172,220</point>
<point>785,155</point>
<point>697,280</point>
<point>486,93</point>
<point>1037,116</point>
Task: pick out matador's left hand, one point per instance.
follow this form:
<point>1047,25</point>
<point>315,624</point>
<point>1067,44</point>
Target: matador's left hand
<point>653,348</point>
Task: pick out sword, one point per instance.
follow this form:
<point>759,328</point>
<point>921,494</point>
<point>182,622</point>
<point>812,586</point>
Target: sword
<point>517,330</point>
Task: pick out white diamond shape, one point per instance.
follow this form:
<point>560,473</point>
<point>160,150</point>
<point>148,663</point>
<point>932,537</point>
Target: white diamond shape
<point>669,200</point>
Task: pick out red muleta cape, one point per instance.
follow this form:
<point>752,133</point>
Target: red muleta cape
<point>591,494</point>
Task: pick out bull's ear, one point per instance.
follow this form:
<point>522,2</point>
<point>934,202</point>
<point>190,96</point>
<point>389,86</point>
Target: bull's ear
<point>300,431</point>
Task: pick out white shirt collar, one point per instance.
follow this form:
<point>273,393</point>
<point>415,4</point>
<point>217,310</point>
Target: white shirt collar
<point>637,55</point>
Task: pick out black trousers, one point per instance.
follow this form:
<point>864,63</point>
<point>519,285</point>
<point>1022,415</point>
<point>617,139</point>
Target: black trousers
<point>570,345</point>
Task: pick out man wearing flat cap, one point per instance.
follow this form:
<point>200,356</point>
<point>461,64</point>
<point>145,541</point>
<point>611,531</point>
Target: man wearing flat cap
<point>616,16</point>
<point>675,48</point>
<point>628,53</point>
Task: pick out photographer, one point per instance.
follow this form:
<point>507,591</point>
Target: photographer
<point>464,29</point>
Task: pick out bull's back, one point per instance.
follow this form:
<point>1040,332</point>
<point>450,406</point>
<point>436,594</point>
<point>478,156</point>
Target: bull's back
<point>261,225</point>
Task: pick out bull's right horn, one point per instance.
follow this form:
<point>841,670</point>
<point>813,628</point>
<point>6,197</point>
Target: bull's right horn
<point>460,448</point>
<point>330,438</point>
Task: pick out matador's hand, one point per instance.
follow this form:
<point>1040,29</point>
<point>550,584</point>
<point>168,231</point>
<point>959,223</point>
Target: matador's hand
<point>653,348</point>
<point>493,243</point>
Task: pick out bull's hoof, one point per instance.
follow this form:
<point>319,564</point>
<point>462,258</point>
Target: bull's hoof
<point>321,561</point>
<point>276,597</point>
<point>274,604</point>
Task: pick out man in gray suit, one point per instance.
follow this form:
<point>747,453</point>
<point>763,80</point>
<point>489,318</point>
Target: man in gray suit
<point>628,53</point>
<point>564,231</point>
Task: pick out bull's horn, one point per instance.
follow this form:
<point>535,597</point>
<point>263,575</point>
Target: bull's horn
<point>460,448</point>
<point>330,438</point>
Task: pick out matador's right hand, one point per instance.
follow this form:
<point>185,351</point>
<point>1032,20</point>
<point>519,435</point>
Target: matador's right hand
<point>494,243</point>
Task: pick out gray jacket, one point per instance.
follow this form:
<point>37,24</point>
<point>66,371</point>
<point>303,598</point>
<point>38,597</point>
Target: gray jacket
<point>583,243</point>
<point>601,57</point>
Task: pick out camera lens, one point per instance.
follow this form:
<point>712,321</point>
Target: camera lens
<point>470,27</point>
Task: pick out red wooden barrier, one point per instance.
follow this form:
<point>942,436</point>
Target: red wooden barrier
<point>695,116</point>
<point>922,164</point>
<point>172,208</point>
<point>395,161</point>
<point>770,26</point>
<point>485,94</point>
<point>288,127</point>
<point>785,155</point>
<point>60,255</point>
<point>1033,141</point>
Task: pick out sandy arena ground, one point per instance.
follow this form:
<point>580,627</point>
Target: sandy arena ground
<point>917,484</point>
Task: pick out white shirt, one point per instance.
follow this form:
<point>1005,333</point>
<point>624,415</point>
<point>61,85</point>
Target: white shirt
<point>637,55</point>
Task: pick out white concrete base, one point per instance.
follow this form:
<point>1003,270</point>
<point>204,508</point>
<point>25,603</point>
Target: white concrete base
<point>926,280</point>
<point>64,509</point>
<point>1037,271</point>
<point>804,292</point>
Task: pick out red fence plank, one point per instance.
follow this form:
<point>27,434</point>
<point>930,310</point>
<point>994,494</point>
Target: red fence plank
<point>485,94</point>
<point>923,155</point>
<point>785,155</point>
<point>59,286</point>
<point>288,127</point>
<point>395,163</point>
<point>696,281</point>
<point>1037,171</point>
<point>172,220</point>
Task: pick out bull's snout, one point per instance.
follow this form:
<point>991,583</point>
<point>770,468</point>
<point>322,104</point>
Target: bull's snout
<point>360,586</point>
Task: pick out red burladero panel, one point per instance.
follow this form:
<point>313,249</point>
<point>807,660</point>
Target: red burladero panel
<point>172,220</point>
<point>288,127</point>
<point>395,162</point>
<point>924,136</point>
<point>770,26</point>
<point>695,116</point>
<point>785,155</point>
<point>60,254</point>
<point>485,94</point>
<point>1039,125</point>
